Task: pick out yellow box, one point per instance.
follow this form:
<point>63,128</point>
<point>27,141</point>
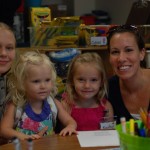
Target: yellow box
<point>61,32</point>
<point>40,14</point>
<point>55,37</point>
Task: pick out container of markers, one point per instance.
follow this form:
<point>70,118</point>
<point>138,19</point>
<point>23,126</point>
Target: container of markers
<point>129,141</point>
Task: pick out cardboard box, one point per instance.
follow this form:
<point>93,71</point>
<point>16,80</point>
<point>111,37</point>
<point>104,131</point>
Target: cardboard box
<point>39,14</point>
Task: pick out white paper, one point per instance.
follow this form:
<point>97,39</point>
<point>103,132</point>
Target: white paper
<point>98,138</point>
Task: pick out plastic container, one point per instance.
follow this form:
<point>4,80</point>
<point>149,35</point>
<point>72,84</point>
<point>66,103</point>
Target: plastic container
<point>33,3</point>
<point>95,35</point>
<point>54,36</point>
<point>132,142</point>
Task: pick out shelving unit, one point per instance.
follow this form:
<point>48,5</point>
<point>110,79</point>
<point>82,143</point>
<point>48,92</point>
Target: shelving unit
<point>48,49</point>
<point>101,50</point>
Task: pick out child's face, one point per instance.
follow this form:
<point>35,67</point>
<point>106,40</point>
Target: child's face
<point>86,80</point>
<point>38,82</point>
<point>7,50</point>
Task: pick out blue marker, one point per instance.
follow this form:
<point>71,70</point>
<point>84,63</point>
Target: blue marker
<point>142,132</point>
<point>136,129</point>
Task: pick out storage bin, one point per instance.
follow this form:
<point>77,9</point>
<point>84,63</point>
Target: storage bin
<point>93,35</point>
<point>132,142</point>
<point>55,37</point>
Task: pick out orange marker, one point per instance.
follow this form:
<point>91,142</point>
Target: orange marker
<point>143,116</point>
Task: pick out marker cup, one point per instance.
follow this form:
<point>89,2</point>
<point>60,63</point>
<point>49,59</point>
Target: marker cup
<point>132,142</point>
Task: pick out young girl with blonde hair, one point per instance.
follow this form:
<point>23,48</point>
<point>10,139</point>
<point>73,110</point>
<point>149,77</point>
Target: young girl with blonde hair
<point>86,91</point>
<point>31,109</point>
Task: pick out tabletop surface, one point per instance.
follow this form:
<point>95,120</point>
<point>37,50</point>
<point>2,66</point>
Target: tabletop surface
<point>53,142</point>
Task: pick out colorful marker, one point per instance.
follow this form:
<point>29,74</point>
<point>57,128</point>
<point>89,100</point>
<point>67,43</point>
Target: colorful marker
<point>136,129</point>
<point>131,121</point>
<point>123,124</point>
<point>143,116</point>
<point>142,132</point>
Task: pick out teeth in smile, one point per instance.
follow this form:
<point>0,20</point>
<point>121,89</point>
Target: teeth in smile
<point>124,67</point>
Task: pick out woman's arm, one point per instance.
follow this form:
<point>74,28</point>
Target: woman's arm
<point>66,119</point>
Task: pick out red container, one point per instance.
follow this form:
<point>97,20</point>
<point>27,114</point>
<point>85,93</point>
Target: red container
<point>88,20</point>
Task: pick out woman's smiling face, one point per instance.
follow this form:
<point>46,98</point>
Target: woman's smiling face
<point>125,55</point>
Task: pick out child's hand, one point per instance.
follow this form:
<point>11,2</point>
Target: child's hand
<point>68,130</point>
<point>39,135</point>
<point>22,136</point>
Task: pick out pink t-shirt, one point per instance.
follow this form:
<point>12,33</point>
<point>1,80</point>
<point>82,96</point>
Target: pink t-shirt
<point>88,118</point>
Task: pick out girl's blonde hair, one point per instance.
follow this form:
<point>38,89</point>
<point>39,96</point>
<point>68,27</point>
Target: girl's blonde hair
<point>96,60</point>
<point>18,74</point>
<point>4,26</point>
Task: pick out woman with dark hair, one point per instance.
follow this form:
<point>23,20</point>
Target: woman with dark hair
<point>129,88</point>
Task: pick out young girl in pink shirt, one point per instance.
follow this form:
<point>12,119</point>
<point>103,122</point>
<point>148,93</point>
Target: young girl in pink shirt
<point>86,91</point>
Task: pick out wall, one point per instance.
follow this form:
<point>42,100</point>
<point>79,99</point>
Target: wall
<point>118,9</point>
<point>82,7</point>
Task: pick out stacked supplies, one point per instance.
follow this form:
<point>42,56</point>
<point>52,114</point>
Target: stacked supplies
<point>61,32</point>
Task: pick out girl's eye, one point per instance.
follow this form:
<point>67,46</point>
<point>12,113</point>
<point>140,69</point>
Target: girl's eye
<point>80,79</point>
<point>9,48</point>
<point>47,80</point>
<point>94,80</point>
<point>36,81</point>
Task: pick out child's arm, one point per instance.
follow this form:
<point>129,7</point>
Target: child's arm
<point>66,119</point>
<point>66,106</point>
<point>7,122</point>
